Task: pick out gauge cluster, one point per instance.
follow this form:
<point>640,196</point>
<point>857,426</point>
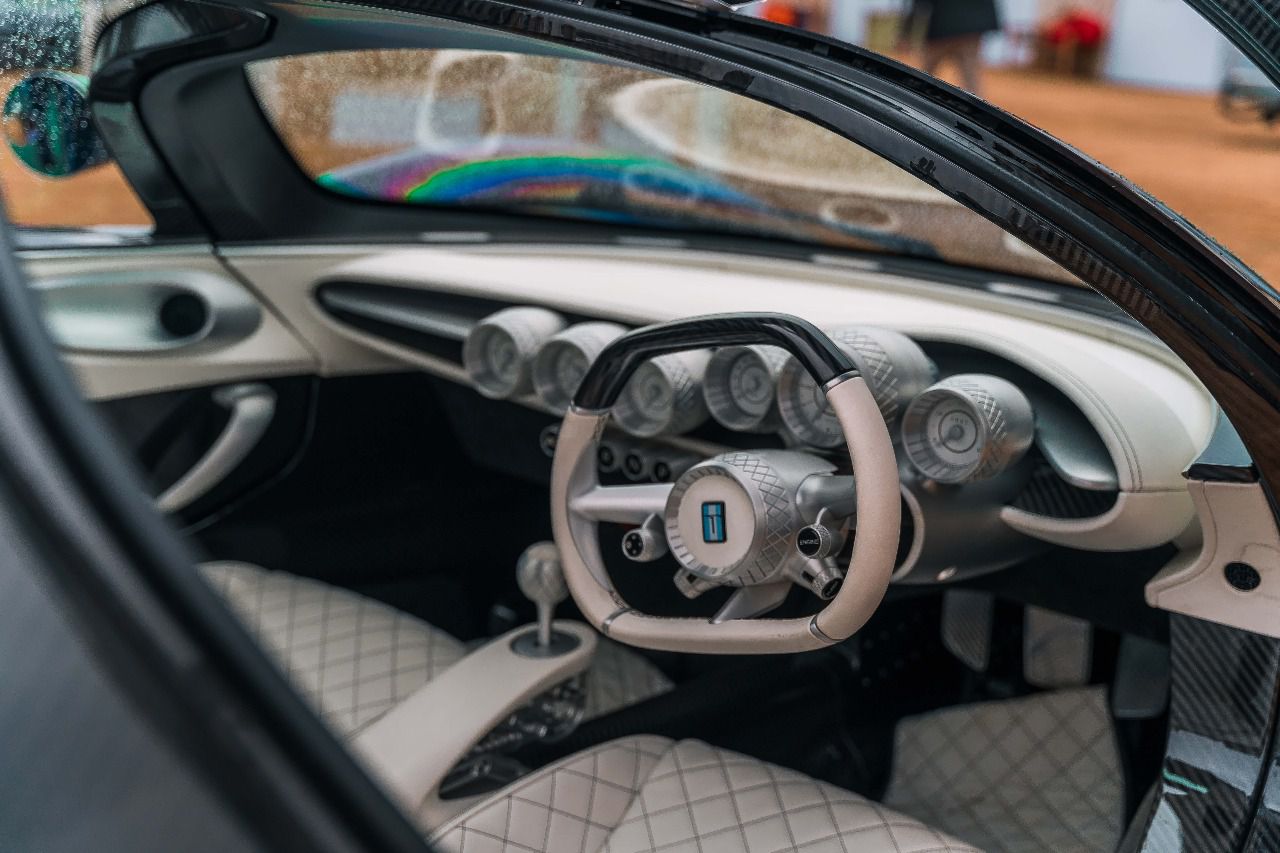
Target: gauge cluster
<point>964,428</point>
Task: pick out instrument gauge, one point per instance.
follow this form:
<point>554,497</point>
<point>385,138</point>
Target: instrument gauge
<point>740,387</point>
<point>805,409</point>
<point>498,351</point>
<point>894,366</point>
<point>967,427</point>
<point>664,396</point>
<point>563,361</point>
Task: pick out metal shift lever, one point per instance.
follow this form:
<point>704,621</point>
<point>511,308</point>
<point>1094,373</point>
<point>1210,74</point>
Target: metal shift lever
<point>541,579</point>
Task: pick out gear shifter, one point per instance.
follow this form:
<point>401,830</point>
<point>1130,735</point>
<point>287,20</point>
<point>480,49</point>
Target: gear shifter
<point>541,579</point>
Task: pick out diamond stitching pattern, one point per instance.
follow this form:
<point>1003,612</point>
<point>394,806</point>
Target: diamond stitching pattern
<point>701,798</point>
<point>619,678</point>
<point>569,807</point>
<point>647,794</point>
<point>358,658</point>
<point>1027,774</point>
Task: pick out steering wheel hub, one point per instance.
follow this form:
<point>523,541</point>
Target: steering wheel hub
<point>733,518</point>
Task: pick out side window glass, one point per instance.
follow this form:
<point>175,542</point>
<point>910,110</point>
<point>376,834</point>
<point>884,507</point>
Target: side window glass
<point>1147,87</point>
<point>54,173</point>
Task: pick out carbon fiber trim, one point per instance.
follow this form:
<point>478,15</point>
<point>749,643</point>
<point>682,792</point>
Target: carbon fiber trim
<point>1049,495</point>
<point>1222,711</point>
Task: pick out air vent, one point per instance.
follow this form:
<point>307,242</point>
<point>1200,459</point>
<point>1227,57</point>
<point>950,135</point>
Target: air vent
<point>1046,494</point>
<point>431,322</point>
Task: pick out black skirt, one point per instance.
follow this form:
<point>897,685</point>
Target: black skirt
<point>949,18</point>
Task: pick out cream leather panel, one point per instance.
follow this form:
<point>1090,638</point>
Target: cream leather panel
<point>567,807</point>
<point>272,349</point>
<point>1020,775</point>
<point>359,658</point>
<point>648,794</point>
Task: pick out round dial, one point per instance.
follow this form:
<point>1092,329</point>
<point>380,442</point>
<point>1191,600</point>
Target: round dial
<point>806,411</point>
<point>664,396</point>
<point>563,361</point>
<point>497,352</point>
<point>895,367</point>
<point>751,385</point>
<point>968,427</point>
<point>500,355</point>
<point>740,387</point>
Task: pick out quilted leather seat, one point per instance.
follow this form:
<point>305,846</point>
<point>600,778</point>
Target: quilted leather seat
<point>359,658</point>
<point>643,794</point>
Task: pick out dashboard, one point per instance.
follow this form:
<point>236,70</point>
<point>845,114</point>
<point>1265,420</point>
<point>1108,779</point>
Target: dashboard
<point>1024,417</point>
<point>1016,426</point>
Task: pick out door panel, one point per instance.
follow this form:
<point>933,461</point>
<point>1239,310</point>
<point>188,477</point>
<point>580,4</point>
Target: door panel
<point>140,321</point>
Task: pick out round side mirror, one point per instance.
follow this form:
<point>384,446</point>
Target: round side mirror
<point>48,125</point>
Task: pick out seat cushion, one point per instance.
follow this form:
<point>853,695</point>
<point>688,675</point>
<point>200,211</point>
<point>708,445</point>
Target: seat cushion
<point>644,794</point>
<point>359,658</point>
<point>1036,773</point>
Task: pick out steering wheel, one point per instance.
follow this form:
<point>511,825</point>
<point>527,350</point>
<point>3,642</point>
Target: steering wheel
<point>734,520</point>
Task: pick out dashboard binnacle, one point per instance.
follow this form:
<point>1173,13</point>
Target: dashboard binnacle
<point>962,429</point>
<point>964,426</point>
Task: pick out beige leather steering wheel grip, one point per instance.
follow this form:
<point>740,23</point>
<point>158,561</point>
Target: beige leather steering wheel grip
<point>579,502</point>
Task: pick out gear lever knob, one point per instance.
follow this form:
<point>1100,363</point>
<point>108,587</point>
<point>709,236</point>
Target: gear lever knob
<point>541,579</point>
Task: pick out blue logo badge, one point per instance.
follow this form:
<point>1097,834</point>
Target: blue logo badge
<point>713,532</point>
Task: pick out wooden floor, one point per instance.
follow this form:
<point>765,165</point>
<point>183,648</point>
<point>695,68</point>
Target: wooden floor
<point>1224,177</point>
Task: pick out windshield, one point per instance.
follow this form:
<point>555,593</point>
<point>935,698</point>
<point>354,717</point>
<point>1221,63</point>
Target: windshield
<point>581,139</point>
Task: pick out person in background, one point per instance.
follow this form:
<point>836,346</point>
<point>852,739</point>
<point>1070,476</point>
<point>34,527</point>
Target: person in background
<point>802,14</point>
<point>952,30</point>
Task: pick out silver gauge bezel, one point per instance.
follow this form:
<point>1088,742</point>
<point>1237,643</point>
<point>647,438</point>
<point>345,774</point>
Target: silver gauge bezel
<point>526,328</point>
<point>1003,419</point>
<point>723,401</point>
<point>896,369</point>
<point>587,340</point>
<point>687,409</point>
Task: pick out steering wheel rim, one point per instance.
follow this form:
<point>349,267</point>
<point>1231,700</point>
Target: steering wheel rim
<point>575,483</point>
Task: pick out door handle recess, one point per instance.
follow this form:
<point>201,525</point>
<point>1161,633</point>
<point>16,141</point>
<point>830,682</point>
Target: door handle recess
<point>252,406</point>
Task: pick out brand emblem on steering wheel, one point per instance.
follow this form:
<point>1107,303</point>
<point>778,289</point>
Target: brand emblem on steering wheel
<point>713,529</point>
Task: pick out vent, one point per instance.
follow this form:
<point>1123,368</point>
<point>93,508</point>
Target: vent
<point>1046,494</point>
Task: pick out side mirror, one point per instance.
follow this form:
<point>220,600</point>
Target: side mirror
<point>48,125</point>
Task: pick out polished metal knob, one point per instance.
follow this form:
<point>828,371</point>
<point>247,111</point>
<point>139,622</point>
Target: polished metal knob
<point>818,541</point>
<point>645,543</point>
<point>540,577</point>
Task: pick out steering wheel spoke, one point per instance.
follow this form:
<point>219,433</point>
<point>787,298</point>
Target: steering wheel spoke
<point>751,602</point>
<point>631,504</point>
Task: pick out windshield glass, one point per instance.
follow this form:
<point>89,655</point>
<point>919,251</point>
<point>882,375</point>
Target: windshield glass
<point>575,138</point>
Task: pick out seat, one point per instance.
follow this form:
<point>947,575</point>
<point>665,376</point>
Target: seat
<point>1040,772</point>
<point>358,658</point>
<point>647,793</point>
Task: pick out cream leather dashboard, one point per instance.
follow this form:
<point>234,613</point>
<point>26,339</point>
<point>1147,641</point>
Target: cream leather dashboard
<point>1148,412</point>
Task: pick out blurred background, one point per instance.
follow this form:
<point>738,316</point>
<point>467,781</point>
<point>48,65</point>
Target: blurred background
<point>1144,86</point>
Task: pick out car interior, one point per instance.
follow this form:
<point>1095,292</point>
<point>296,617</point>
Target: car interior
<point>562,584</point>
